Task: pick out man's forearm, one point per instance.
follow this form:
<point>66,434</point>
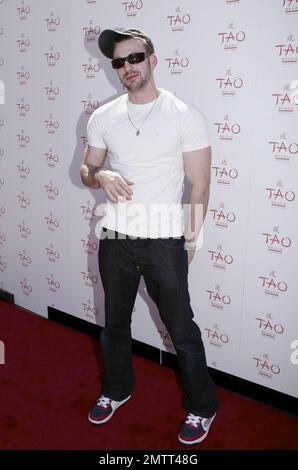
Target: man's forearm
<point>195,214</point>
<point>87,176</point>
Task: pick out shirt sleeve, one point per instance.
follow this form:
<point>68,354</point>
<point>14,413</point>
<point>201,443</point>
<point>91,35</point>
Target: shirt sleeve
<point>194,132</point>
<point>95,131</point>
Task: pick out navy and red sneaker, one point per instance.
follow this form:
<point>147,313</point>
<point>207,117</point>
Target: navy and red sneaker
<point>104,408</point>
<point>195,429</point>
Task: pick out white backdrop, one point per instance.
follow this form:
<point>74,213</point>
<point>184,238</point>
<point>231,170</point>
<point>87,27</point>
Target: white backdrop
<point>234,59</point>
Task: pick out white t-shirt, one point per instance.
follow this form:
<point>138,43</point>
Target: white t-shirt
<point>152,160</point>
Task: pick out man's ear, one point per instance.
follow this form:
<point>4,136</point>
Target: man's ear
<point>153,60</point>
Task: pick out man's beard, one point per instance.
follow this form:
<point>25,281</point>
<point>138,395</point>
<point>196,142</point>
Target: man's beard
<point>138,84</point>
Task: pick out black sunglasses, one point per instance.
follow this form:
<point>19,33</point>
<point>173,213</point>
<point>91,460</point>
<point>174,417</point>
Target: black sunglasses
<point>134,58</point>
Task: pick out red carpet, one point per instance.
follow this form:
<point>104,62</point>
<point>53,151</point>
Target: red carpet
<point>51,377</point>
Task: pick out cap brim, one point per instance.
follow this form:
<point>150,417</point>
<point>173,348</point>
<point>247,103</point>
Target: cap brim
<point>106,41</point>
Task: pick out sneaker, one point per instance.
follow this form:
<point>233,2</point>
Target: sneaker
<point>194,429</point>
<point>104,408</point>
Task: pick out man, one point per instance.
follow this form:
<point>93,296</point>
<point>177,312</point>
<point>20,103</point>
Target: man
<point>151,140</point>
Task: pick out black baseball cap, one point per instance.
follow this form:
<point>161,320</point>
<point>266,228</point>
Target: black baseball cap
<point>108,38</point>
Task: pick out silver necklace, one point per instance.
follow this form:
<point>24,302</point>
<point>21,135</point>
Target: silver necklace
<point>147,115</point>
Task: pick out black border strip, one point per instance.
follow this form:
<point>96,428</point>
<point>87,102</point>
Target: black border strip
<point>6,296</point>
<point>224,458</point>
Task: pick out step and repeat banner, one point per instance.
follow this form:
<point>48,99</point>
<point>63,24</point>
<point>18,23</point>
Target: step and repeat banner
<point>237,60</point>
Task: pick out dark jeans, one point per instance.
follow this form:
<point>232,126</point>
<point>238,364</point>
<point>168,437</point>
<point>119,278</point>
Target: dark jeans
<point>163,264</point>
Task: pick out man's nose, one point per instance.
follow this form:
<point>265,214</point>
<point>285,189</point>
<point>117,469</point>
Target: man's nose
<point>127,66</point>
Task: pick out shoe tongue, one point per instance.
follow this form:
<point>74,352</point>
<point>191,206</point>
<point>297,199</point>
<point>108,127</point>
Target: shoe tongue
<point>104,404</point>
<point>193,421</point>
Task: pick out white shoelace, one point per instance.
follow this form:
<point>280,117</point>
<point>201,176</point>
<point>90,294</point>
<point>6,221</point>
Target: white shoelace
<point>193,420</point>
<point>103,401</point>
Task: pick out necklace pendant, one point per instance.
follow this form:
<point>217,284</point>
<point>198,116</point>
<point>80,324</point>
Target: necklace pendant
<point>138,132</point>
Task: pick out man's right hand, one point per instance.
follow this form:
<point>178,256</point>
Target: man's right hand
<point>116,186</point>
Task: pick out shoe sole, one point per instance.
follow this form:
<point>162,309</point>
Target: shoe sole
<point>200,439</point>
<point>93,421</point>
